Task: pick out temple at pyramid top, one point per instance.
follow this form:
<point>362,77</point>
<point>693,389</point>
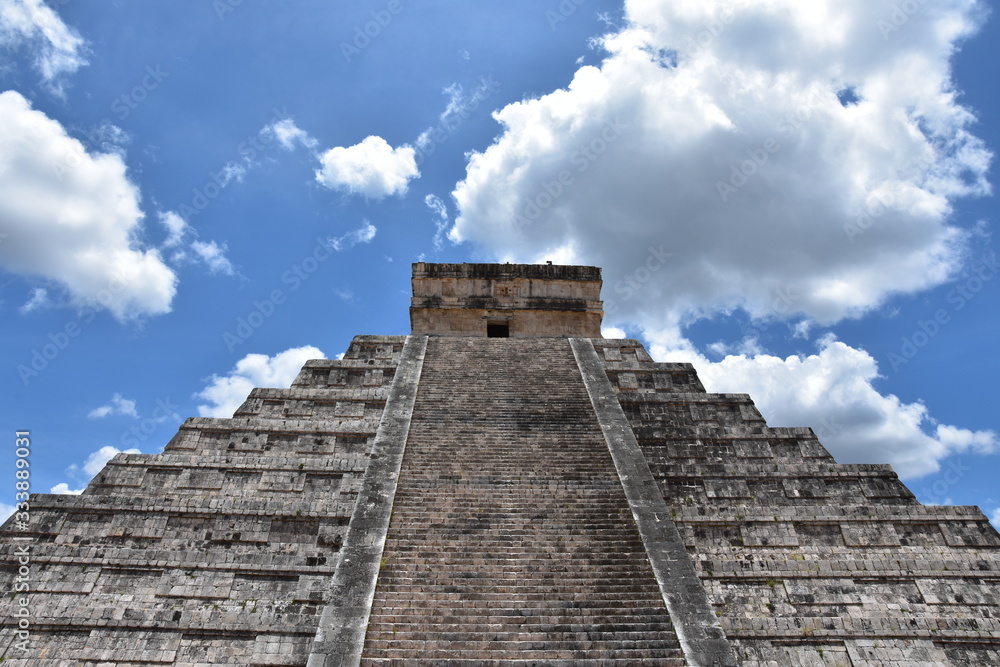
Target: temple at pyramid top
<point>506,300</point>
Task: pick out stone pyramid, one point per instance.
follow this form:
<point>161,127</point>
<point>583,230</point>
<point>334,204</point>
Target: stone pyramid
<point>502,486</point>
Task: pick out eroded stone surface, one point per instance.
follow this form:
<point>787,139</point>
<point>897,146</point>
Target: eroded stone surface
<point>807,561</point>
<point>516,300</point>
<point>220,549</point>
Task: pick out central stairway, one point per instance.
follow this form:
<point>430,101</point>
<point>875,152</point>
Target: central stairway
<point>511,540</point>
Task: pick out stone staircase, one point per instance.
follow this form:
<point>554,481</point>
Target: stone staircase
<point>511,540</point>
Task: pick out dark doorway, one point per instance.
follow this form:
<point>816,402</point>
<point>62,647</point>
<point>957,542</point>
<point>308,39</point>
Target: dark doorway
<point>497,330</point>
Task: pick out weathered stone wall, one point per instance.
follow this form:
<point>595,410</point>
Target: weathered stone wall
<point>220,549</point>
<point>808,561</point>
<point>531,300</point>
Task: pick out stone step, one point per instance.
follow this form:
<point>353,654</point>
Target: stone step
<point>524,558</point>
<point>441,636</point>
<point>514,660</point>
<point>398,593</point>
<point>495,619</point>
<point>531,656</point>
<point>464,612</point>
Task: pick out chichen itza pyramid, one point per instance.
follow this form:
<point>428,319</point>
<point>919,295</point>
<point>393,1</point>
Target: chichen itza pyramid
<point>501,486</point>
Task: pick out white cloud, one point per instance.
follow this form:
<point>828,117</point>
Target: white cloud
<point>833,392</point>
<point>109,138</point>
<point>613,332</point>
<point>363,234</point>
<point>39,300</point>
<point>95,462</point>
<point>73,217</point>
<point>995,519</point>
<point>63,489</point>
<point>289,134</point>
<point>749,346</point>
<point>372,168</point>
<point>225,394</point>
<point>116,406</point>
<point>58,49</point>
<point>460,106</point>
<point>802,329</point>
<point>842,206</point>
<point>214,255</point>
<point>345,295</point>
<point>960,439</point>
<point>176,226</point>
<point>234,171</point>
<point>6,511</point>
<point>440,211</point>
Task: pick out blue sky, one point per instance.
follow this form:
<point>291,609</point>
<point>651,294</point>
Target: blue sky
<point>195,197</point>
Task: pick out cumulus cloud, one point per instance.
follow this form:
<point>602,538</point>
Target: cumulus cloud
<point>995,519</point>
<point>833,392</point>
<point>73,217</point>
<point>116,406</point>
<point>226,393</point>
<point>6,511</point>
<point>63,489</point>
<point>613,332</point>
<point>797,161</point>
<point>57,49</point>
<point>372,168</point>
<point>363,234</point>
<point>769,146</point>
<point>375,169</point>
<point>95,462</point>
